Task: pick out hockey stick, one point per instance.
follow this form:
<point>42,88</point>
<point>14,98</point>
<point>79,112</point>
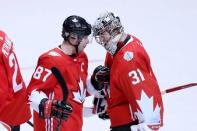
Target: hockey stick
<point>61,81</point>
<point>64,88</point>
<point>30,123</point>
<point>173,89</point>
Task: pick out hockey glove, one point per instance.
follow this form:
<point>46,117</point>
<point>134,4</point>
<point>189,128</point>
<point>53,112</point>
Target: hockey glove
<point>54,108</point>
<point>100,105</point>
<point>100,77</point>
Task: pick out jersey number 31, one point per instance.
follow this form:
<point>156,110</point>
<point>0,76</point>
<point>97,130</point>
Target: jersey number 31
<point>136,76</point>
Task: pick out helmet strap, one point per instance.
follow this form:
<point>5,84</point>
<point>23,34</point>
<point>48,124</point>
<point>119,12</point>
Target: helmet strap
<point>76,46</point>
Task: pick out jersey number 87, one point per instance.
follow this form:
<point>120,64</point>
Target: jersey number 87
<point>42,71</point>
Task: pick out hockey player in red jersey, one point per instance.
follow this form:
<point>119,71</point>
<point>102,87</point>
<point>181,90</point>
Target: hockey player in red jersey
<point>134,100</point>
<point>14,109</point>
<point>45,94</point>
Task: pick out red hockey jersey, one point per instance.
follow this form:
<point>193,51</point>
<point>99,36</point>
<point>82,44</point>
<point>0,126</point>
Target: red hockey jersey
<point>74,71</point>
<point>14,109</point>
<point>134,91</point>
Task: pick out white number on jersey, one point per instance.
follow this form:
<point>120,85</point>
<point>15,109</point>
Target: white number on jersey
<point>13,63</point>
<point>39,71</point>
<point>137,76</point>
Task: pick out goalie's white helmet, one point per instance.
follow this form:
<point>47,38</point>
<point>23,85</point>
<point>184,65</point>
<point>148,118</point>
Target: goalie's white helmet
<point>107,31</point>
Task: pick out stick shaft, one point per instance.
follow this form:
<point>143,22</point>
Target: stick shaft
<point>173,89</point>
<point>30,123</point>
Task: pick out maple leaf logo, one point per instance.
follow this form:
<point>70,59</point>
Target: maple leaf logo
<point>74,20</point>
<point>79,96</point>
<point>148,113</point>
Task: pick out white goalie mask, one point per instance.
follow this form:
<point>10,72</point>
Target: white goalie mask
<point>107,31</point>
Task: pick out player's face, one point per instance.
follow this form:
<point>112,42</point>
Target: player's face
<point>103,38</point>
<point>82,44</point>
<point>74,39</point>
<point>79,40</point>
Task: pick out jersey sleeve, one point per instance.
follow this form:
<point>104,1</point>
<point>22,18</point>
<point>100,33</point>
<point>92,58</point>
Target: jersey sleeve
<point>42,83</point>
<point>11,78</point>
<point>141,90</point>
<point>3,78</point>
<point>3,83</point>
<point>42,78</point>
<point>108,60</point>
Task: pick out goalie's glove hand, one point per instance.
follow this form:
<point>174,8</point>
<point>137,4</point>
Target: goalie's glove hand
<point>100,77</point>
<point>54,108</point>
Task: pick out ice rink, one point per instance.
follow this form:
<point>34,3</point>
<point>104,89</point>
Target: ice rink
<point>167,29</point>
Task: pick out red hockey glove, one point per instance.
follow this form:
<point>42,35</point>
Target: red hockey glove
<point>54,108</point>
<point>100,77</point>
